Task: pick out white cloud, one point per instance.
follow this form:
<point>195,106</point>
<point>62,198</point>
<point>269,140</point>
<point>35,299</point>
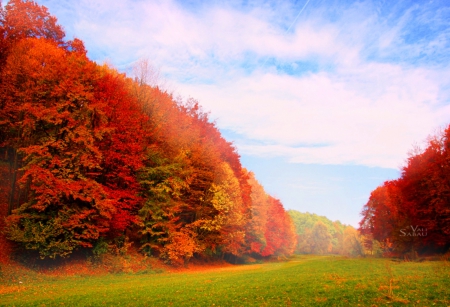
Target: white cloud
<point>370,116</point>
<point>352,110</point>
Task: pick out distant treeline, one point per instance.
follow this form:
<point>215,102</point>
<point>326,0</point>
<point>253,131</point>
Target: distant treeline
<point>319,235</point>
<point>97,160</point>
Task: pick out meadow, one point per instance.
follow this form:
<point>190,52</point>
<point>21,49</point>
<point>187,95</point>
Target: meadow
<point>300,281</point>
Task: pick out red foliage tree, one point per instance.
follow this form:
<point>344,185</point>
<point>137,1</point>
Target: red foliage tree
<point>53,123</point>
<point>25,18</point>
<point>122,147</point>
<point>412,213</point>
<point>257,223</point>
<point>280,233</point>
<point>426,190</point>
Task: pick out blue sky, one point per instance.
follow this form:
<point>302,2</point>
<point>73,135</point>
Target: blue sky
<point>323,99</point>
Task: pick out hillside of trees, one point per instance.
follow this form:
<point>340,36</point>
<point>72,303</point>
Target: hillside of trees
<point>319,235</point>
<point>411,215</point>
<point>92,159</point>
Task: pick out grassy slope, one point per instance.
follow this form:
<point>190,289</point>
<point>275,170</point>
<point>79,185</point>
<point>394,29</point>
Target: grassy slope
<point>303,281</point>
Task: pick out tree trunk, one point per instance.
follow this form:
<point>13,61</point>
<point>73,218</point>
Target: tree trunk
<point>13,184</point>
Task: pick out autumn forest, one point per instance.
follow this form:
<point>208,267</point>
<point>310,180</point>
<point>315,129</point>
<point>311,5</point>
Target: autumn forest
<point>93,159</point>
<point>98,158</point>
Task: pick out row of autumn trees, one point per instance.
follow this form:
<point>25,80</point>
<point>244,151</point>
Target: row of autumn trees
<point>96,156</point>
<point>412,214</point>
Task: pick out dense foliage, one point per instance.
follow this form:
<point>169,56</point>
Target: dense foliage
<point>412,214</point>
<point>96,156</point>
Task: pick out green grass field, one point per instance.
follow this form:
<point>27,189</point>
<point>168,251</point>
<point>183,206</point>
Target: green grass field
<point>301,281</point>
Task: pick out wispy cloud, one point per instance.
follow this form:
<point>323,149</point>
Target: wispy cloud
<point>368,79</point>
